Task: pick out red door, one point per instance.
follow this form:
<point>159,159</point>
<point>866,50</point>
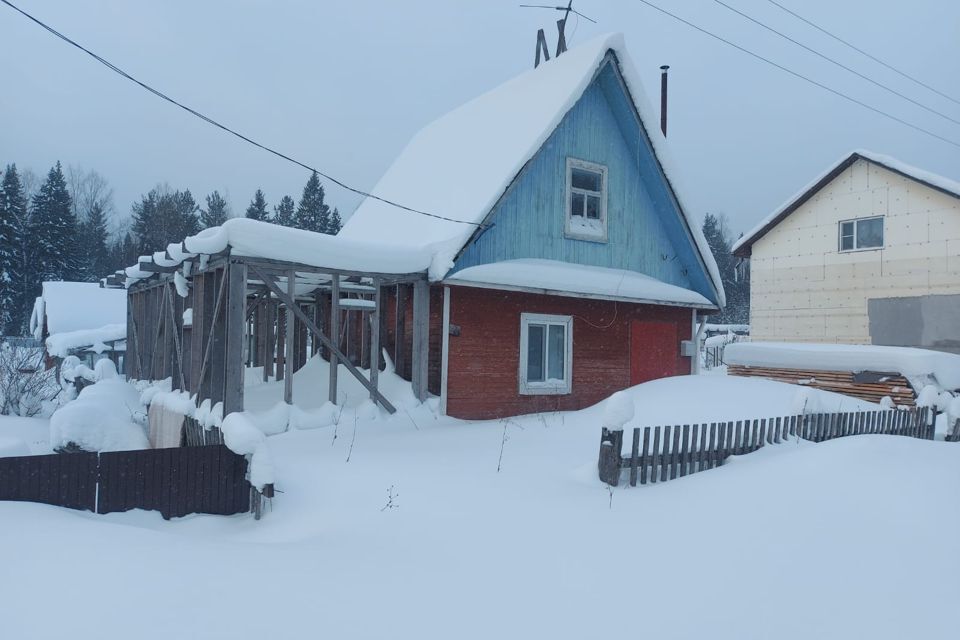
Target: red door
<point>654,350</point>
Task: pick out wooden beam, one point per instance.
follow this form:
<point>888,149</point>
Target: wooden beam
<point>235,320</point>
<point>334,341</point>
<point>288,357</point>
<point>334,350</point>
<point>178,347</point>
<point>269,338</point>
<point>375,342</point>
<point>421,339</point>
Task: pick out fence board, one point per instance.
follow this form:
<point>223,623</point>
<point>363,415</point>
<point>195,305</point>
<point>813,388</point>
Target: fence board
<point>674,453</point>
<point>656,455</point>
<point>643,458</point>
<point>684,450</point>
<point>635,457</point>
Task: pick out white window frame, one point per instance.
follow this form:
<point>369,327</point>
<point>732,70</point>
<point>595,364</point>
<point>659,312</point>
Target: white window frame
<point>546,387</point>
<point>577,234</point>
<point>856,222</point>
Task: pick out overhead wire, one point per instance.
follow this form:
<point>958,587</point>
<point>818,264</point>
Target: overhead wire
<point>797,74</point>
<point>835,62</point>
<point>869,55</point>
<point>227,129</point>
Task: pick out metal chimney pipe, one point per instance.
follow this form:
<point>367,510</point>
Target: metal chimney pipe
<point>663,99</point>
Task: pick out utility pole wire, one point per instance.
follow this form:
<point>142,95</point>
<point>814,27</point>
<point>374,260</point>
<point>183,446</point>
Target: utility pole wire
<point>795,74</point>
<point>834,62</point>
<point>227,129</point>
<point>864,53</point>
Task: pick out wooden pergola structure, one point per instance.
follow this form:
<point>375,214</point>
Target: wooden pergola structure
<point>202,319</point>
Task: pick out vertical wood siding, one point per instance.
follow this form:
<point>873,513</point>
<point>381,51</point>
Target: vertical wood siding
<point>646,233</point>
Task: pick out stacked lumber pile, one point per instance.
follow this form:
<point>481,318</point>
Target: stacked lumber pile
<point>865,385</point>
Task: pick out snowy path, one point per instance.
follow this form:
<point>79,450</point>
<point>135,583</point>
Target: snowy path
<point>838,540</point>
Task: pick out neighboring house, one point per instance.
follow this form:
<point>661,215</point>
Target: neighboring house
<point>81,319</point>
<point>574,271</point>
<point>869,253</point>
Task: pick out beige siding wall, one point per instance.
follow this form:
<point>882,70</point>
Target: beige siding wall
<point>804,289</point>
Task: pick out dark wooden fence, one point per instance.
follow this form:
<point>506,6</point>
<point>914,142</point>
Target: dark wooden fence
<point>658,454</point>
<point>175,482</point>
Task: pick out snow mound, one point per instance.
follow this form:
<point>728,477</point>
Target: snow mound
<point>102,418</point>
<point>11,447</point>
<point>618,410</point>
<point>242,437</point>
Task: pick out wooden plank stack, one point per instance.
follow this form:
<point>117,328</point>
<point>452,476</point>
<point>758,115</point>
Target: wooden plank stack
<point>869,386</point>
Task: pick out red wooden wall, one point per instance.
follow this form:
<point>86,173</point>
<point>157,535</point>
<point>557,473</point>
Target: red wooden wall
<point>484,361</point>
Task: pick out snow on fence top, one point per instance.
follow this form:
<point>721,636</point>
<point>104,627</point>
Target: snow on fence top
<point>461,164</point>
<point>931,179</point>
<point>256,239</point>
<point>553,276</point>
<point>917,365</point>
<point>77,306</point>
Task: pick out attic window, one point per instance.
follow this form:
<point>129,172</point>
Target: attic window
<point>586,200</point>
<point>862,233</point>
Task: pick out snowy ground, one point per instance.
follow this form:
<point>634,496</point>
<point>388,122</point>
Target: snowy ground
<point>853,538</point>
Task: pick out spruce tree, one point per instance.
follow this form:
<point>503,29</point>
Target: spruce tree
<point>737,289</point>
<point>312,213</point>
<point>94,236</point>
<point>163,216</point>
<point>335,222</point>
<point>53,240</point>
<point>258,208</point>
<point>13,213</point>
<point>216,212</point>
<point>285,212</point>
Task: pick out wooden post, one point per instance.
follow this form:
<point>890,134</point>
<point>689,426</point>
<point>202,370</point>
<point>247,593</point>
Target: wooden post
<point>269,337</point>
<point>236,323</point>
<point>608,465</point>
<point>375,340</point>
<point>421,338</point>
<point>218,356</point>
<point>634,456</point>
<point>334,333</point>
<point>400,330</point>
<point>288,354</point>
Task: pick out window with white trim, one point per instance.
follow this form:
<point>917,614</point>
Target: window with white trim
<point>546,351</point>
<point>586,199</point>
<point>862,233</point>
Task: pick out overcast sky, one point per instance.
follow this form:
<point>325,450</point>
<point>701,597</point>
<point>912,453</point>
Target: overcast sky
<point>344,85</point>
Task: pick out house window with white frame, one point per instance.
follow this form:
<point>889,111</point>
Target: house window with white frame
<point>586,198</point>
<point>546,351</point>
<point>861,233</point>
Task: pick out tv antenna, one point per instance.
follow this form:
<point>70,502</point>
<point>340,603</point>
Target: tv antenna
<point>542,48</point>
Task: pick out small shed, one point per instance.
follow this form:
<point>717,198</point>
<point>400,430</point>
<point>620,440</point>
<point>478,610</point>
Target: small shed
<point>82,319</point>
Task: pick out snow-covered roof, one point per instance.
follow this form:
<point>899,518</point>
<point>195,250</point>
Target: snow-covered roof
<point>76,306</point>
<point>577,280</point>
<point>945,185</point>
<point>256,239</point>
<point>111,337</point>
<point>914,364</point>
<point>460,165</point>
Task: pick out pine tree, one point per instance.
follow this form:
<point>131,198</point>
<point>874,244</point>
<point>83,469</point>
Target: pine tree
<point>312,213</point>
<point>258,208</point>
<point>335,222</point>
<point>216,212</point>
<point>285,212</point>
<point>13,213</point>
<point>163,216</point>
<point>53,241</point>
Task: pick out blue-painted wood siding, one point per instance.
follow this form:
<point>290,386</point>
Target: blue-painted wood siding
<point>645,231</point>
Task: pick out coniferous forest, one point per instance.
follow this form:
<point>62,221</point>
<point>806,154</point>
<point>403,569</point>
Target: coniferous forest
<point>64,225</point>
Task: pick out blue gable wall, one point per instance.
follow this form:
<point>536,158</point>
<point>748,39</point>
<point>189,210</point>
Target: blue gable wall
<point>645,230</point>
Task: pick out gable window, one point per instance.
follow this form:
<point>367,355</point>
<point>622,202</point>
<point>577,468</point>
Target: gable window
<point>546,350</point>
<point>586,200</point>
<point>862,233</point>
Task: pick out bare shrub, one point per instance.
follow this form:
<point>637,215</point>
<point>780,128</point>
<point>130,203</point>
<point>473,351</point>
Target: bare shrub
<point>24,382</point>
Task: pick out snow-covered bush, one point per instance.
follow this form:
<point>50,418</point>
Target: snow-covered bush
<point>106,416</point>
<point>25,385</point>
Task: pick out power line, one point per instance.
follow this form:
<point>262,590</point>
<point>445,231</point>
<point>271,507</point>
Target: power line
<point>796,74</point>
<point>862,52</point>
<point>223,127</point>
<point>834,62</point>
